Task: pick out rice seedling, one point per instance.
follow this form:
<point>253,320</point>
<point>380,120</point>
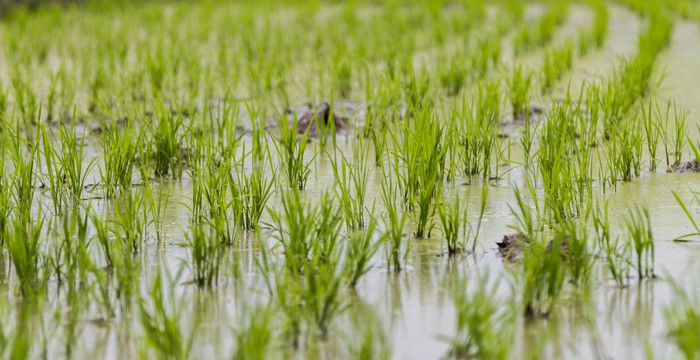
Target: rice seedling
<point>527,217</point>
<point>453,74</point>
<point>119,150</point>
<point>251,192</point>
<point>24,249</point>
<point>205,256</point>
<point>543,274</point>
<point>65,169</point>
<point>541,33</point>
<point>360,250</point>
<point>166,150</point>
<point>351,177</point>
<point>477,129</point>
<point>557,61</point>
<point>650,118</point>
<point>255,337</point>
<point>394,221</point>
<point>422,155</point>
<point>682,317</point>
<point>688,215</point>
<point>131,220</point>
<point>555,159</point>
<point>600,22</point>
<point>641,238</point>
<point>483,328</point>
<point>310,240</point>
<point>452,219</point>
<point>519,84</point>
<point>372,342</point>
<point>291,153</point>
<point>159,315</point>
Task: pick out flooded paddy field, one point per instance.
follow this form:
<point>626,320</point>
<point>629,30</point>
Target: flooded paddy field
<point>497,179</point>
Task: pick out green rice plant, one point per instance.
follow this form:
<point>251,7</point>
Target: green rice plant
<point>342,74</point>
<point>615,252</point>
<point>371,343</point>
<point>690,217</point>
<point>487,55</point>
<point>212,183</point>
<point>680,130</point>
<point>131,220</point>
<point>557,61</point>
<point>519,84</point>
<point>557,168</point>
<point>291,153</point>
<point>394,221</point>
<point>574,244</point>
<point>527,217</point>
<point>531,37</point>
<point>119,150</point>
<point>351,177</point>
<point>452,220</point>
<point>483,328</point>
<point>477,126</point>
<point>682,317</point>
<point>5,195</point>
<point>624,149</point>
<point>310,240</point>
<point>641,240</point>
<point>650,118</point>
<point>600,22</point>
<point>453,74</point>
<point>66,170</point>
<point>254,339</point>
<point>544,275</point>
<point>166,133</point>
<point>205,256</point>
<point>24,249</point>
<point>422,155</point>
<point>251,192</point>
<point>159,315</point>
<point>359,251</point>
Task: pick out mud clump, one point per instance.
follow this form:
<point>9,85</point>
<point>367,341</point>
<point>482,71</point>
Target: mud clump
<point>531,114</point>
<point>323,114</point>
<point>686,167</point>
<point>512,246</point>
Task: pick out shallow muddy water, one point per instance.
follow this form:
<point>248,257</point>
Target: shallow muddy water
<point>414,307</point>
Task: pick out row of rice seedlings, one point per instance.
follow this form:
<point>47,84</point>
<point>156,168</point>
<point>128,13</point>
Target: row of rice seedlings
<point>162,65</point>
<point>543,31</point>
